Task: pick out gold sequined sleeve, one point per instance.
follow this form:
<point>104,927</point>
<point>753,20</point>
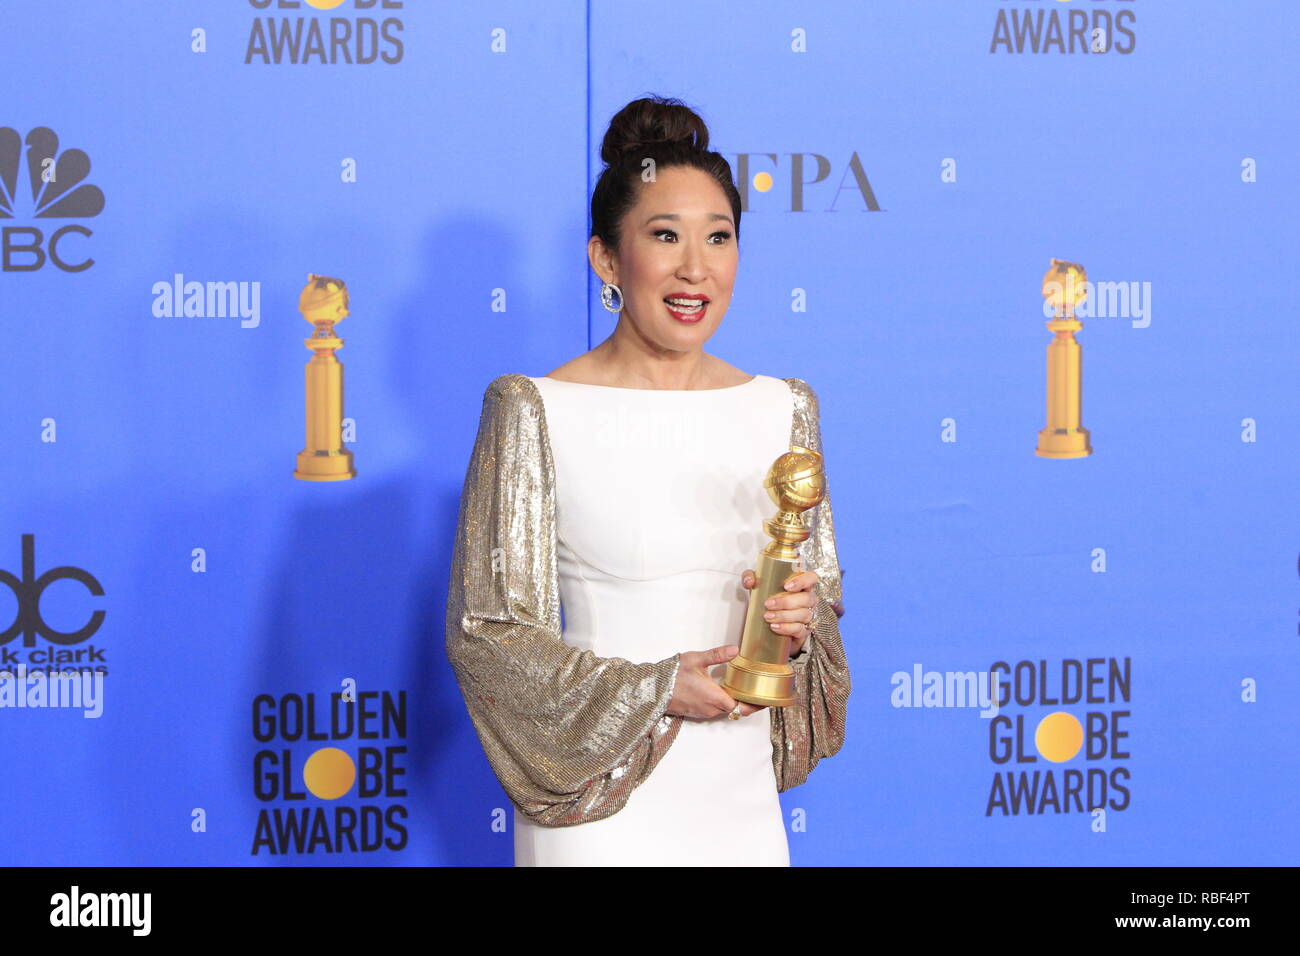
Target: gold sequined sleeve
<point>568,734</point>
<point>813,727</point>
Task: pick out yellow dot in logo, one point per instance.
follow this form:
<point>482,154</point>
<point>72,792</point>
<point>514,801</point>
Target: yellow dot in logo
<point>1059,736</point>
<point>763,182</point>
<point>324,4</point>
<point>328,773</point>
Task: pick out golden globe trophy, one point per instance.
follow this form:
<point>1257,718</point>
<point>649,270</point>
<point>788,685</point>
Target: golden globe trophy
<point>323,303</point>
<point>1064,287</point>
<point>761,673</point>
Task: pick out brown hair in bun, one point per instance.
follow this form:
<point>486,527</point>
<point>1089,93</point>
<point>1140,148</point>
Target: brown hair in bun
<point>659,128</point>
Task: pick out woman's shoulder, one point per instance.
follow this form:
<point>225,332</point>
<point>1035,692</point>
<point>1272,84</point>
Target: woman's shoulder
<point>804,394</point>
<point>728,375</point>
<point>512,395</point>
<point>511,384</point>
<point>577,369</point>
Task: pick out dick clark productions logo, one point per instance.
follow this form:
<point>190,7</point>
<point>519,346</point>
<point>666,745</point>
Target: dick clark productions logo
<point>29,621</point>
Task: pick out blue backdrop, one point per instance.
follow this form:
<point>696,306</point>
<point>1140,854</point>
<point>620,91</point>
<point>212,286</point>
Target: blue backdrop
<point>909,171</point>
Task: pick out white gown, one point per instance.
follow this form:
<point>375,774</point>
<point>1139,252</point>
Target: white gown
<point>659,508</point>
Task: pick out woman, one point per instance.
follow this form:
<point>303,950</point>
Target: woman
<point>624,490</point>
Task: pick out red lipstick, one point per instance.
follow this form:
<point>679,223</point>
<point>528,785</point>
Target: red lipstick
<point>681,311</point>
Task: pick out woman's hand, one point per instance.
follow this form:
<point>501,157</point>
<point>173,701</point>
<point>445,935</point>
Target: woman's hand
<point>789,613</point>
<point>696,694</point>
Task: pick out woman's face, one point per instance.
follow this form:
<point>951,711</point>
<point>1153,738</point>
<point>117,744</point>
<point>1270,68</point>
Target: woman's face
<point>679,240</point>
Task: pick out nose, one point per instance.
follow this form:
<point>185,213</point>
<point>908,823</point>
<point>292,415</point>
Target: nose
<point>691,268</point>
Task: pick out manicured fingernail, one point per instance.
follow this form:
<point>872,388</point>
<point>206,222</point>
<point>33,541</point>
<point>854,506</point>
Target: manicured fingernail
<point>789,585</point>
<point>770,602</point>
<point>769,615</point>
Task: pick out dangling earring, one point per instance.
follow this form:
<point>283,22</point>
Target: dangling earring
<point>605,297</point>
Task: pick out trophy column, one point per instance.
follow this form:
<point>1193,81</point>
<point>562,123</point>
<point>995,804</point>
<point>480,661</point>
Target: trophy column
<point>1064,287</point>
<point>324,302</point>
<point>761,673</point>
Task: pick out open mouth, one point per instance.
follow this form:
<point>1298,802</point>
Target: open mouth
<point>686,309</point>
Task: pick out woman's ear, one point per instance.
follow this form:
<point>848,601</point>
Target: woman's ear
<point>602,260</point>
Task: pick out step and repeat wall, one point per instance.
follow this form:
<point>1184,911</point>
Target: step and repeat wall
<point>1031,254</point>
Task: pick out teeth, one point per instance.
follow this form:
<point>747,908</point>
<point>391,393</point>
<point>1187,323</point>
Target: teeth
<point>689,303</point>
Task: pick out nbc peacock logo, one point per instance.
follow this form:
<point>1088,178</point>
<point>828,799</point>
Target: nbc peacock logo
<point>55,188</point>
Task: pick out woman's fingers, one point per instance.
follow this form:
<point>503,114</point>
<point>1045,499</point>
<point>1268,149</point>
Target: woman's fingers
<point>789,620</point>
<point>803,581</point>
<point>745,708</point>
<point>797,583</point>
<point>789,613</point>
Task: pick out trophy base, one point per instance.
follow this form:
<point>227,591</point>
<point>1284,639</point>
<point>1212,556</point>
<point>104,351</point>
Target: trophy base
<point>757,683</point>
<point>325,466</point>
<point>1063,443</point>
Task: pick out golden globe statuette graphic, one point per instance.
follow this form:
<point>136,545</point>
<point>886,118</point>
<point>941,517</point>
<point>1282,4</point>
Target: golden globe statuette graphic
<point>1064,286</point>
<point>324,303</point>
<point>761,673</point>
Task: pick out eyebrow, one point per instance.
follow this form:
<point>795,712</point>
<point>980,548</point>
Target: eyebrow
<point>674,217</point>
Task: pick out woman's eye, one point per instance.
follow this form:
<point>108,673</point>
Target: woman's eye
<point>669,232</point>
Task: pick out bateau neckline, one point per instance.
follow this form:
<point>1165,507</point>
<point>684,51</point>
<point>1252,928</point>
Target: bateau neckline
<point>659,391</point>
